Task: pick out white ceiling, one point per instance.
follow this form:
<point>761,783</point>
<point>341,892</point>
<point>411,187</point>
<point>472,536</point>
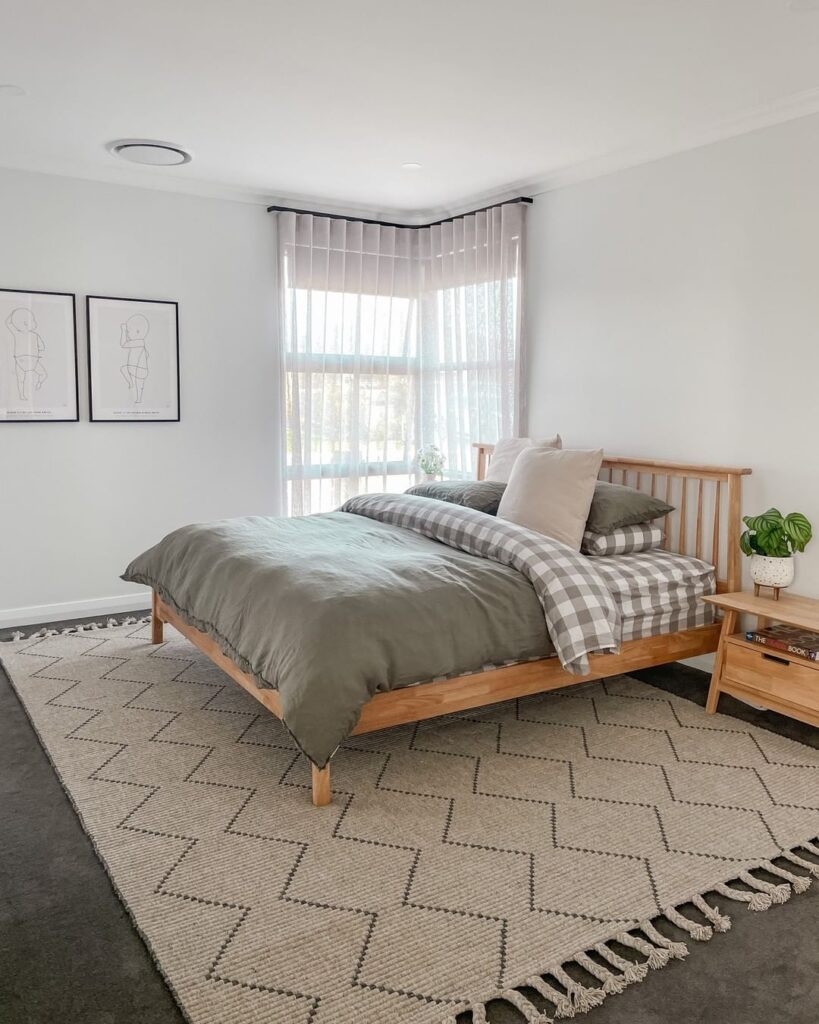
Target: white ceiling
<point>319,102</point>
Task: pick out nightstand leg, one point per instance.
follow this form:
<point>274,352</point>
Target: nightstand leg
<point>729,624</point>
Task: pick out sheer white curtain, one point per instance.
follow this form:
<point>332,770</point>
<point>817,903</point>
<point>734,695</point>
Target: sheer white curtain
<point>393,338</point>
<point>471,331</point>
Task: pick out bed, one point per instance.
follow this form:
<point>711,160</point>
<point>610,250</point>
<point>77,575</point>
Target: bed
<point>422,654</point>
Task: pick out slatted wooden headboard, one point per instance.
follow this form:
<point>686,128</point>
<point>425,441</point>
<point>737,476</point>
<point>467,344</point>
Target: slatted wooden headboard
<point>707,521</point>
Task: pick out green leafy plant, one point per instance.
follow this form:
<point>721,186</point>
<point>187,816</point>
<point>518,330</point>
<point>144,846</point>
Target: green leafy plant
<point>430,459</point>
<point>775,535</point>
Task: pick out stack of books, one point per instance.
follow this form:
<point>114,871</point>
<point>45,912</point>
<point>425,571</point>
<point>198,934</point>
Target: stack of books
<point>793,639</point>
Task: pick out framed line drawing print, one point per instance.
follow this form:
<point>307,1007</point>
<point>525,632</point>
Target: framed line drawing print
<point>38,357</point>
<point>133,359</point>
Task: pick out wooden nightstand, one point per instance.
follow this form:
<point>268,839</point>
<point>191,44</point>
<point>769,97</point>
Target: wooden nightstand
<point>781,681</point>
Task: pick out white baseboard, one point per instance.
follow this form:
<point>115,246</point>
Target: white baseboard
<point>74,609</point>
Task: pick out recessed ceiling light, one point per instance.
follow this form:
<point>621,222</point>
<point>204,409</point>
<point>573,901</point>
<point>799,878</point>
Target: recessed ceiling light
<point>12,90</point>
<point>411,166</point>
<point>149,151</point>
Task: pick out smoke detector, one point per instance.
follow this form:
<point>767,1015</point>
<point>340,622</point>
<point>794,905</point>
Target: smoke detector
<point>149,151</point>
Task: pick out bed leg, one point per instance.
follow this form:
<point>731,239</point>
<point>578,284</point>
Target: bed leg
<point>322,792</point>
<point>157,625</point>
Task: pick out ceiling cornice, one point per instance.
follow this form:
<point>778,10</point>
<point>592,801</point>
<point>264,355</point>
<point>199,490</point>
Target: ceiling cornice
<point>789,108</point>
<point>767,115</point>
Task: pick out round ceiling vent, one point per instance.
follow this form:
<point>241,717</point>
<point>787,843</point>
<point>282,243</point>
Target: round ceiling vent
<point>149,151</point>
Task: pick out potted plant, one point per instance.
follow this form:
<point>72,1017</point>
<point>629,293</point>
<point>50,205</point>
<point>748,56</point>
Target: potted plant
<point>430,460</point>
<point>772,540</point>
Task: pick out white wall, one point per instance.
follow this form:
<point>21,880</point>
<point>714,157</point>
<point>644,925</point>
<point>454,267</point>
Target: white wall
<point>673,311</point>
<point>79,500</point>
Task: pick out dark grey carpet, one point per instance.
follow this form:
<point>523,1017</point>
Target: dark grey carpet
<point>68,952</point>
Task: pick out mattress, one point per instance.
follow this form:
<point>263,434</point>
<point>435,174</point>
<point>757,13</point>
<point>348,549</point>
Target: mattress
<point>658,591</point>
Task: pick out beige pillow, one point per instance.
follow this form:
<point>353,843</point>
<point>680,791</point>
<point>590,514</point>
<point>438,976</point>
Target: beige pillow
<point>551,491</point>
<point>508,449</point>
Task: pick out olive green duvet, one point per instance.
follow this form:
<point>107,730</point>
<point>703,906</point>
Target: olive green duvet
<point>330,609</point>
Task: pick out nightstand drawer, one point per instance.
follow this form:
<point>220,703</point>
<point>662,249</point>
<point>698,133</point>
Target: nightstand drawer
<point>770,673</point>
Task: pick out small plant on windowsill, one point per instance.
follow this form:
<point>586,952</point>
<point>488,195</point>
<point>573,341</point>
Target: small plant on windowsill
<point>772,540</point>
<point>430,460</point>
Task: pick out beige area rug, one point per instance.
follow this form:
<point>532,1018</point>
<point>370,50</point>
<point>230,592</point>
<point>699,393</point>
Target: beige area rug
<point>521,852</point>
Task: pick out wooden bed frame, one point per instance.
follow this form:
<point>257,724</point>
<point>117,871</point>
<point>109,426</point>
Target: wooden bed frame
<point>706,524</point>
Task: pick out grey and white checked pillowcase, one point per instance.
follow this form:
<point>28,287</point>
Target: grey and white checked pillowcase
<point>581,614</point>
<point>642,537</point>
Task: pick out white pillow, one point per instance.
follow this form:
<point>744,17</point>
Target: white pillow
<point>550,491</point>
<point>508,449</point>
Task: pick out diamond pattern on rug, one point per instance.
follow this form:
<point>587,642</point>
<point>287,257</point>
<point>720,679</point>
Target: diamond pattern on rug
<point>461,858</point>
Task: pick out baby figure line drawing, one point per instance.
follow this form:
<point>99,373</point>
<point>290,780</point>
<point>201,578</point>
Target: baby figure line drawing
<point>135,370</point>
<point>28,351</point>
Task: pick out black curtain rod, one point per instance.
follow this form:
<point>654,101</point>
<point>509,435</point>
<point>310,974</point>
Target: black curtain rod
<point>388,224</point>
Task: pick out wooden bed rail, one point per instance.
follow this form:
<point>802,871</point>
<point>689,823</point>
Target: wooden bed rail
<point>706,523</point>
<point>461,693</point>
<point>707,520</point>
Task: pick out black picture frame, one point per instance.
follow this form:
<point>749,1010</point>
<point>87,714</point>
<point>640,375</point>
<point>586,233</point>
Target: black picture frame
<point>92,413</point>
<point>53,419</point>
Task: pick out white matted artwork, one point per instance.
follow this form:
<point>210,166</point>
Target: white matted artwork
<point>133,359</point>
<point>38,357</point>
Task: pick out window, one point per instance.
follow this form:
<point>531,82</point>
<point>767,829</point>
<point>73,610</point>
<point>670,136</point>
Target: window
<point>351,393</point>
<point>393,337</point>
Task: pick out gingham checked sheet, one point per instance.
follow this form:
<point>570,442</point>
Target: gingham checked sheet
<point>658,591</point>
<point>580,612</point>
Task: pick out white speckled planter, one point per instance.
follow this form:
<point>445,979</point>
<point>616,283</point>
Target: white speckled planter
<point>771,572</point>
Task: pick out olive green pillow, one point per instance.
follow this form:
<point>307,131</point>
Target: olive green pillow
<point>615,506</point>
<point>482,495</point>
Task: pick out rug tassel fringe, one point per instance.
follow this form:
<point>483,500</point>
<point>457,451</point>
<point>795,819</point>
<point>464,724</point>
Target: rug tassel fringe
<point>756,900</point>
<point>778,893</point>
<point>675,950</point>
<point>655,958</point>
<point>562,1003</point>
<point>582,998</point>
<point>530,1013</point>
<point>719,922</point>
<point>651,943</point>
<point>632,972</point>
<point>697,931</point>
<point>794,858</point>
<point>613,983</point>
<point>81,627</point>
<point>799,882</point>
